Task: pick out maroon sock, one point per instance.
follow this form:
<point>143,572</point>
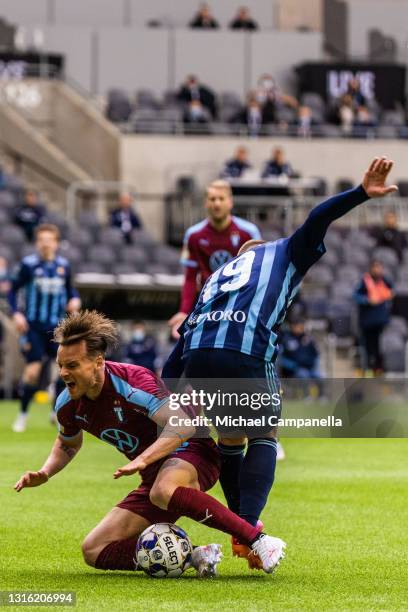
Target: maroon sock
<point>205,509</point>
<point>119,555</point>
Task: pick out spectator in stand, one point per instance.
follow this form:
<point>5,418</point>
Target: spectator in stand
<point>354,91</point>
<point>271,98</point>
<point>251,116</point>
<point>193,90</point>
<point>390,236</point>
<point>5,279</point>
<point>243,20</point>
<point>237,166</point>
<point>195,114</point>
<point>353,109</point>
<point>142,348</point>
<point>277,165</point>
<point>374,297</point>
<point>299,354</point>
<point>30,213</point>
<point>204,19</point>
<point>125,218</point>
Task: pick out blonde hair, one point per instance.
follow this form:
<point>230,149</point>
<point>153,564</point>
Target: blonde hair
<point>98,332</point>
<point>220,184</point>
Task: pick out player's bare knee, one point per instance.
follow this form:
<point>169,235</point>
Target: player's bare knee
<point>90,551</point>
<point>160,495</point>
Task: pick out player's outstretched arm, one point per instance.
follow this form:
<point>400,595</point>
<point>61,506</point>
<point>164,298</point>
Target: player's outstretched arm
<point>309,237</point>
<point>175,432</point>
<point>61,454</point>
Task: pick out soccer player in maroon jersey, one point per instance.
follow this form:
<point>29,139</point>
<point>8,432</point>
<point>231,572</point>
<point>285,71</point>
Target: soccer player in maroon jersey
<point>123,404</point>
<point>210,244</point>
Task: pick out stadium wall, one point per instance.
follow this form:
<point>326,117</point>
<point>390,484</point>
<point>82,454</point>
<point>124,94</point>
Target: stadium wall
<point>129,12</point>
<point>152,163</point>
<point>98,59</point>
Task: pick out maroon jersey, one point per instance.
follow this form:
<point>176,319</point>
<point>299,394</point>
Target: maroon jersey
<point>206,249</point>
<point>121,415</point>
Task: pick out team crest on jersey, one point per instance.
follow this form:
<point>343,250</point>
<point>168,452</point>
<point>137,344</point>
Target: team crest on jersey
<point>218,259</point>
<point>39,272</point>
<point>235,238</point>
<point>61,270</point>
<point>124,442</point>
<point>118,410</point>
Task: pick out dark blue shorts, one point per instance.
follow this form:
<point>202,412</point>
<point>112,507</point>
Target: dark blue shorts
<point>37,344</point>
<point>237,376</point>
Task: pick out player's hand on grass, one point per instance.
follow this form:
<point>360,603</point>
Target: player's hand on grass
<point>31,479</point>
<point>137,465</point>
<point>175,322</point>
<point>375,178</point>
<point>20,322</point>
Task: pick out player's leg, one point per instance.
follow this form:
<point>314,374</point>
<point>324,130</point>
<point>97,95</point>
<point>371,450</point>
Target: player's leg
<point>232,458</point>
<point>175,489</point>
<point>32,349</point>
<point>112,543</point>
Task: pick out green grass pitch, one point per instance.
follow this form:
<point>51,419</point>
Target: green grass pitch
<point>341,506</point>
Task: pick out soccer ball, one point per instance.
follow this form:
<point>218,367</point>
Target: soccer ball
<point>164,550</point>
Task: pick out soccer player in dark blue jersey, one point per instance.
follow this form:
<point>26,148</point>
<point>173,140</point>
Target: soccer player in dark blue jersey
<point>44,279</point>
<point>232,332</point>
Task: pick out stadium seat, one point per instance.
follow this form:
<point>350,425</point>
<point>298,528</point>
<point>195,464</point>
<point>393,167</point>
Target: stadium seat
<point>134,255</point>
<point>393,117</point>
<point>92,267</point>
<point>8,253</point>
<point>348,274</point>
<point>394,360</point>
<point>102,254</point>
<point>4,217</point>
<point>27,249</point>
<point>111,236</point>
<point>165,255</point>
<point>386,256</point>
<point>403,188</point>
<point>145,98</point>
<point>125,267</point>
<point>320,274</point>
<point>12,234</point>
<point>399,325</point>
<point>80,236</point>
<point>339,315</point>
<point>7,199</point>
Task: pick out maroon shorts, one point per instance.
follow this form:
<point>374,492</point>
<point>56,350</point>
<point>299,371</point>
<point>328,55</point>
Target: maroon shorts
<point>203,454</point>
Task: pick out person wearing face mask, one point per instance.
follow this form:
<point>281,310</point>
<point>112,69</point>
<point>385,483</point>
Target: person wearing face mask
<point>374,298</point>
<point>142,348</point>
<point>270,98</point>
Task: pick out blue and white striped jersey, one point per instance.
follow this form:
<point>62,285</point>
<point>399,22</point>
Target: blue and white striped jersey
<point>46,287</point>
<point>243,303</point>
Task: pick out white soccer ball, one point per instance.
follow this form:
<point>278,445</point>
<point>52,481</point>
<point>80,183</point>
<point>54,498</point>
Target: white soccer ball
<point>164,550</point>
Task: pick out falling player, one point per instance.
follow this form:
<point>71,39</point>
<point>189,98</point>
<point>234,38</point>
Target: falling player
<point>123,404</point>
<point>232,333</point>
<point>210,244</point>
<point>45,278</point>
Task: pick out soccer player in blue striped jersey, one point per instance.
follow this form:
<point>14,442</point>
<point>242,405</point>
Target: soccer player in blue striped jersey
<point>44,279</point>
<point>233,329</point>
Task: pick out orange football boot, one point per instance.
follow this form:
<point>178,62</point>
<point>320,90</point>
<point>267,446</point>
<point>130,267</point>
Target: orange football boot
<point>243,551</point>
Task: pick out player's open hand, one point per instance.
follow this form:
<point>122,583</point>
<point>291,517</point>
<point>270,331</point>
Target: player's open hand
<point>137,465</point>
<point>175,322</point>
<point>31,479</point>
<point>20,322</point>
<point>375,178</point>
